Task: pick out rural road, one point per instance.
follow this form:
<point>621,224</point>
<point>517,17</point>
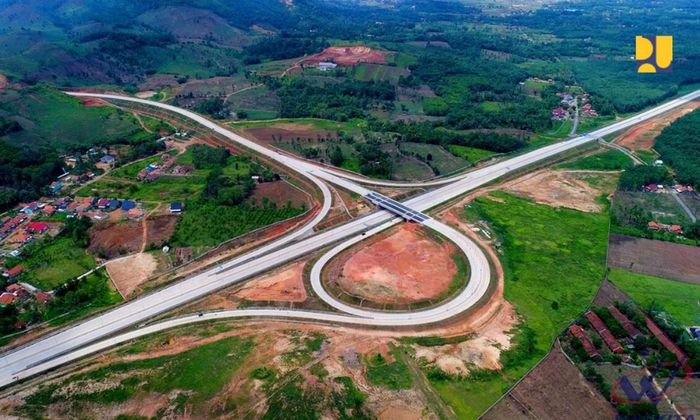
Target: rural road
<point>74,342</point>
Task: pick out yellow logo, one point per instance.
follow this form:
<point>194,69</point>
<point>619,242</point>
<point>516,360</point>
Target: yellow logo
<point>654,53</point>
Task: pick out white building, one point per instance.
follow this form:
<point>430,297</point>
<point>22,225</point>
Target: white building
<point>326,65</point>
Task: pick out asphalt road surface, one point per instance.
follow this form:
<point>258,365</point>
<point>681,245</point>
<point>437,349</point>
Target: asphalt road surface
<point>74,342</point>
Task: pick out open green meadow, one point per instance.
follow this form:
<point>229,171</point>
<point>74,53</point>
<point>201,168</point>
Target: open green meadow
<point>48,115</point>
<point>209,225</point>
<point>471,154</point>
<point>442,161</point>
<point>51,263</point>
<point>554,260</point>
<point>678,298</point>
<point>610,160</point>
<point>195,375</point>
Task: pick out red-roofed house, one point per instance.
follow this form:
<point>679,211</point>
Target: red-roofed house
<point>42,297</point>
<point>37,227</point>
<point>14,271</point>
<point>579,333</point>
<point>20,238</point>
<point>49,210</point>
<point>102,203</point>
<point>665,341</point>
<point>603,332</point>
<point>624,321</point>
<point>7,298</point>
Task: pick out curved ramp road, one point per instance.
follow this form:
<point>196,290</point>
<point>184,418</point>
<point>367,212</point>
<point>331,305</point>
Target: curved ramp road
<point>480,275</point>
<point>60,348</point>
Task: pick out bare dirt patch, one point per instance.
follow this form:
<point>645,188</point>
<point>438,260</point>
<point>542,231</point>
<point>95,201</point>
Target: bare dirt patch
<point>656,258</point>
<point>87,101</point>
<point>554,389</point>
<point>348,55</point>
<point>145,94</point>
<point>281,193</point>
<point>113,239</point>
<point>282,285</point>
<point>129,272</point>
<point>483,351</point>
<point>642,136</point>
<point>287,132</point>
<point>3,82</point>
<point>557,189</point>
<point>159,229</point>
<point>401,266</point>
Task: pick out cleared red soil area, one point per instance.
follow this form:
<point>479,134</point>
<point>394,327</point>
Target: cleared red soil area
<point>642,136</point>
<point>401,266</point>
<point>348,55</point>
<point>656,258</point>
<point>283,285</point>
<point>281,193</point>
<point>555,389</point>
<point>114,239</point>
<point>3,82</point>
<point>86,101</point>
<point>160,228</point>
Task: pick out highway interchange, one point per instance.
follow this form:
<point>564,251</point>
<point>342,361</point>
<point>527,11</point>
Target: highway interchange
<point>105,330</point>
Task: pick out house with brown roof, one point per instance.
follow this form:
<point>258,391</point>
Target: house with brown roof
<point>588,346</point>
<point>632,331</point>
<point>603,332</point>
<point>15,271</point>
<point>7,298</point>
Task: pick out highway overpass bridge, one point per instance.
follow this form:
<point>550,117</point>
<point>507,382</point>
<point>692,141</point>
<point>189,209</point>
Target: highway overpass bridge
<point>397,208</point>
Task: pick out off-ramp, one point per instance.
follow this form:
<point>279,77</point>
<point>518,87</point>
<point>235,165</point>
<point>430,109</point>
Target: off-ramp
<point>74,342</point>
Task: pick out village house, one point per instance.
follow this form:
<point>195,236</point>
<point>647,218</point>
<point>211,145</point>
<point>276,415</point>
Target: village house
<point>30,208</point>
<point>325,66</point>
<point>176,207</point>
<point>37,227</point>
<point>559,114</point>
<point>7,299</point>
<point>49,210</point>
<point>14,271</point>
<point>108,159</point>
<point>102,203</point>
<point>20,238</point>
<point>55,187</point>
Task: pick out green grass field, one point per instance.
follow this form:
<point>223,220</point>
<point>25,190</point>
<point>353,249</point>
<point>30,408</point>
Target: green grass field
<point>678,298</point>
<point>391,375</point>
<point>549,255</point>
<point>61,120</point>
<point>55,262</point>
<point>442,161</point>
<point>209,225</point>
<point>197,374</point>
<point>165,188</point>
<point>471,154</point>
<point>94,292</point>
<point>610,160</point>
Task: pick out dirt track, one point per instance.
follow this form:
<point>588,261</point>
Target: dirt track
<point>642,136</point>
